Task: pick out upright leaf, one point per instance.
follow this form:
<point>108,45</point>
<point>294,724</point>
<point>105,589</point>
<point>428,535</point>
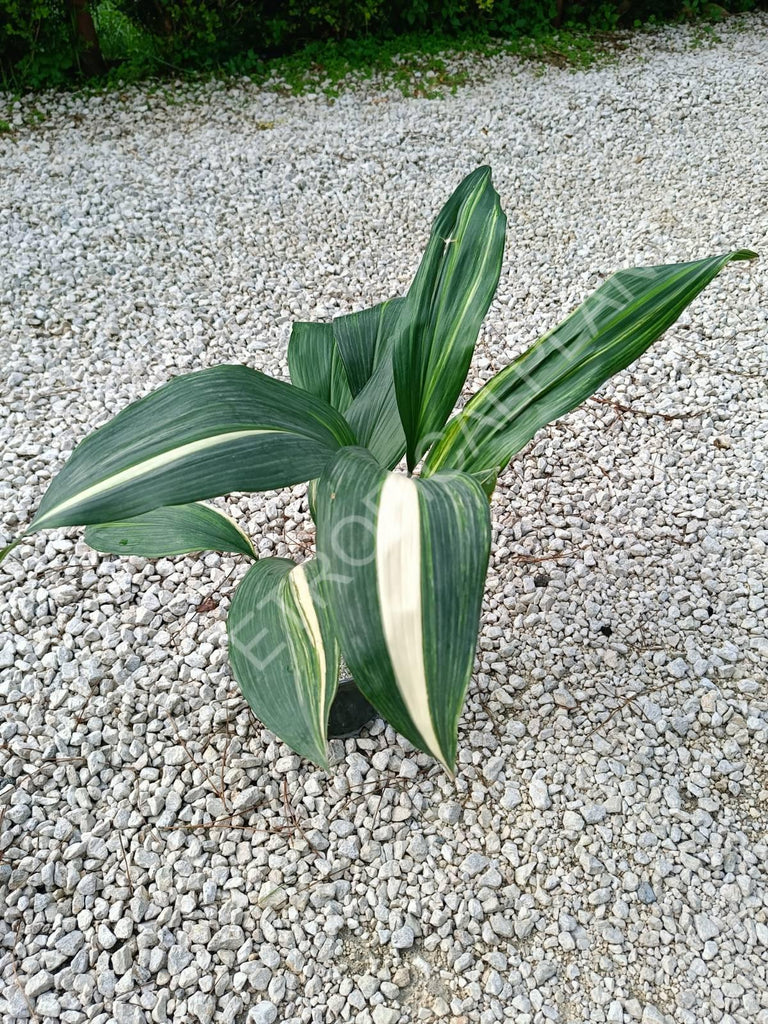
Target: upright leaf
<point>404,564</point>
<point>171,530</point>
<point>284,653</point>
<point>353,357</point>
<point>609,331</point>
<point>203,434</point>
<point>366,338</point>
<point>315,364</point>
<point>444,308</point>
<point>375,418</point>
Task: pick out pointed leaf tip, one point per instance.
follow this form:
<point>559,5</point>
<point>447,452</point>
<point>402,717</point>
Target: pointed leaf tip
<point>9,547</point>
<point>406,561</point>
<point>284,653</point>
<point>614,326</point>
<point>445,305</point>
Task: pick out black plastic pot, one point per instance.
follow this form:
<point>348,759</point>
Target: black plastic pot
<point>350,711</point>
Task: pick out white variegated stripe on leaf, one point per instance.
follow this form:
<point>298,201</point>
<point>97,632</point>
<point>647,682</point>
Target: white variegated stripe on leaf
<point>284,653</point>
<point>304,602</point>
<point>399,582</point>
<point>171,530</point>
<point>143,470</point>
<point>204,434</point>
<point>404,563</point>
<point>615,325</point>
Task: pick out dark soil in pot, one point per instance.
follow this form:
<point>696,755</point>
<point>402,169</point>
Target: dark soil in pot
<point>350,711</point>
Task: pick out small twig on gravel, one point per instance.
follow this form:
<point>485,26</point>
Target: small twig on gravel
<point>224,764</point>
<point>205,604</point>
<point>16,978</point>
<point>556,557</point>
<point>647,413</point>
<point>226,822</point>
<point>127,865</point>
<point>293,825</point>
<point>628,701</point>
<point>180,739</point>
<point>94,685</point>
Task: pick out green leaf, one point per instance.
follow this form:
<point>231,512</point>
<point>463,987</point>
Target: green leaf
<point>315,364</point>
<point>375,418</point>
<point>365,339</point>
<point>9,548</point>
<point>203,434</point>
<point>404,563</point>
<point>444,308</point>
<point>609,331</point>
<point>353,355</point>
<point>171,530</point>
<point>284,654</point>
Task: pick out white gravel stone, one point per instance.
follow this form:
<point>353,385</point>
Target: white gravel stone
<point>573,821</point>
<point>539,794</point>
<point>385,1015</point>
<point>202,1006</point>
<point>403,938</point>
<point>231,936</point>
<point>164,857</point>
<point>48,1005</point>
<point>706,928</point>
<point>262,1013</point>
<point>38,984</point>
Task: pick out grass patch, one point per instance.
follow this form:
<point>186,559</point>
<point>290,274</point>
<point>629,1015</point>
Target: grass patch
<point>426,66</point>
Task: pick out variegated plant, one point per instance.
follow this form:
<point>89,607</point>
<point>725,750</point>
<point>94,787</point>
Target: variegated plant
<point>397,583</point>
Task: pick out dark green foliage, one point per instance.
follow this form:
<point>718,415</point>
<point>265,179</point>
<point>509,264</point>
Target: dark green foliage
<point>35,43</point>
<point>160,37</point>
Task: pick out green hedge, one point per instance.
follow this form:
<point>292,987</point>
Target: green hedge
<point>39,42</point>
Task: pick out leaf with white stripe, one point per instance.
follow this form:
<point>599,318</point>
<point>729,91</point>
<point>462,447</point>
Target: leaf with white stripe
<point>204,434</point>
<point>284,654</point>
<point>404,563</point>
<point>609,331</point>
<point>315,364</point>
<point>444,308</point>
<point>171,530</point>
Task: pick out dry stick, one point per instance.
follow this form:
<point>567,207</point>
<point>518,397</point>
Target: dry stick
<point>226,822</point>
<point>647,413</point>
<point>197,765</point>
<point>127,865</point>
<point>204,604</point>
<point>33,775</point>
<point>86,701</point>
<point>294,823</point>
<point>558,555</point>
<point>378,811</point>
<point>627,701</point>
<point>16,978</point>
<point>224,762</point>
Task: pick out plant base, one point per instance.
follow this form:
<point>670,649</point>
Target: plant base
<point>350,711</point>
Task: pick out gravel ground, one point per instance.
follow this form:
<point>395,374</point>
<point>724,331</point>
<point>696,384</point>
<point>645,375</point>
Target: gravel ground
<point>601,855</point>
